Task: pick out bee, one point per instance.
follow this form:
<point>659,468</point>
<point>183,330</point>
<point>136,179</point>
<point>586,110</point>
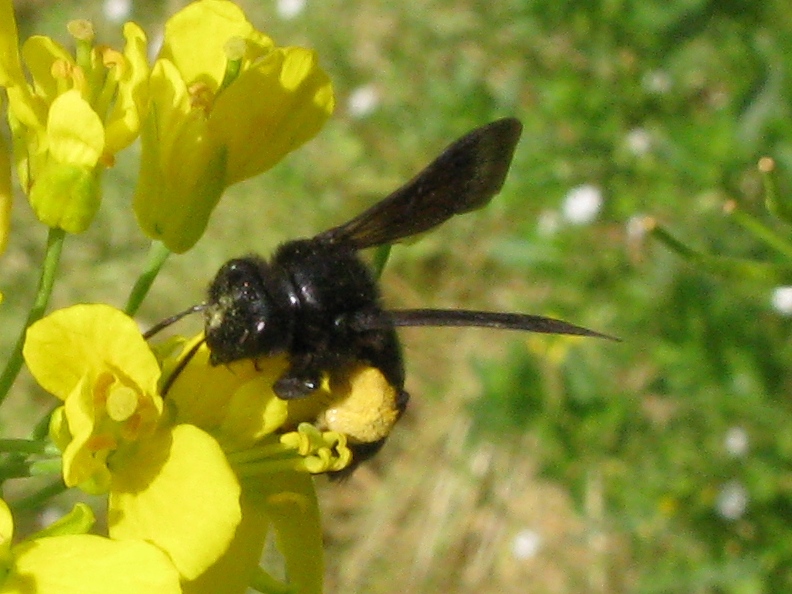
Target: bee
<point>316,301</point>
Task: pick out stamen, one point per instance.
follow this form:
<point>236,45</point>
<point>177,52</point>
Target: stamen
<point>235,49</point>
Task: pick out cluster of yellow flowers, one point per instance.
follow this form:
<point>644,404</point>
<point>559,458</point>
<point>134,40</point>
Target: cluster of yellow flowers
<point>200,474</point>
<point>194,480</point>
<point>220,104</point>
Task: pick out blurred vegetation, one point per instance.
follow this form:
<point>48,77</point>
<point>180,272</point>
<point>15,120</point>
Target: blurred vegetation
<point>661,464</point>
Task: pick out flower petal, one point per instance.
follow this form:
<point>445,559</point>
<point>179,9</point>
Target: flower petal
<point>78,521</point>
<point>123,123</point>
<point>87,564</point>
<point>6,529</point>
<point>235,402</point>
<point>180,493</point>
<point>40,54</point>
<point>182,172</point>
<point>289,500</point>
<point>294,98</point>
<point>74,131</point>
<point>195,39</point>
<point>233,572</point>
<point>10,66</point>
<point>62,347</point>
<point>65,193</point>
<point>22,104</point>
<point>84,464</point>
<point>254,411</point>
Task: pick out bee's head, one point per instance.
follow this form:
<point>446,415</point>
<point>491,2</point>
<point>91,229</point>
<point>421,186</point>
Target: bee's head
<point>242,318</point>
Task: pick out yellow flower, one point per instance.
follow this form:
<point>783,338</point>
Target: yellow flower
<point>274,453</point>
<point>116,436</point>
<point>221,447</point>
<point>68,123</point>
<point>274,446</point>
<point>225,105</point>
<point>59,561</point>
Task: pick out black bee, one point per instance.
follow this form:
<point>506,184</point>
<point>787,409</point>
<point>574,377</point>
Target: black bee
<point>317,302</point>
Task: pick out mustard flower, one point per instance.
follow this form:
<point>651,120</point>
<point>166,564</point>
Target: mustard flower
<point>60,561</point>
<point>225,105</point>
<point>74,115</point>
<point>206,472</point>
<point>169,484</point>
<point>274,447</point>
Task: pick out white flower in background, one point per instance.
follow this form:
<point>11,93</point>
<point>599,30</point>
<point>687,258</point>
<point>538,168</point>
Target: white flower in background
<point>638,141</point>
<point>288,9</point>
<point>736,442</point>
<point>526,544</point>
<point>732,500</point>
<point>656,81</point>
<point>363,101</point>
<point>782,300</point>
<point>582,204</point>
<point>117,11</point>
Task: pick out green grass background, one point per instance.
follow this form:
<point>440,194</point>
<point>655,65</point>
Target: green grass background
<point>613,454</point>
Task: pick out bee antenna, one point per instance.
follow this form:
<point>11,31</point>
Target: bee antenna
<point>172,320</point>
<point>180,366</point>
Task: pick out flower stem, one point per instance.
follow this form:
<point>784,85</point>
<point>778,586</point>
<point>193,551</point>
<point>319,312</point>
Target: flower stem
<point>46,281</point>
<point>758,230</point>
<point>22,446</point>
<point>158,254</point>
<point>293,463</point>
<point>269,450</point>
<point>35,500</point>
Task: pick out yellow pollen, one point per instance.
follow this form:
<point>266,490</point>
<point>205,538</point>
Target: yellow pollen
<point>122,403</point>
<point>201,97</point>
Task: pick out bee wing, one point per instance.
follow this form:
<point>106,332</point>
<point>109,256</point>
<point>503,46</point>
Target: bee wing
<point>463,178</point>
<point>466,317</point>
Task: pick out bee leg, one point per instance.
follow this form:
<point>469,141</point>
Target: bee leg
<point>290,387</point>
<point>299,381</point>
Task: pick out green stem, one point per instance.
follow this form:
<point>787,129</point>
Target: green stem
<point>290,464</point>
<point>158,254</point>
<point>41,430</point>
<point>14,467</point>
<point>758,230</point>
<point>22,446</point>
<point>735,269</point>
<point>35,500</point>
<point>269,450</point>
<point>46,467</point>
<point>776,205</point>
<point>46,281</point>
